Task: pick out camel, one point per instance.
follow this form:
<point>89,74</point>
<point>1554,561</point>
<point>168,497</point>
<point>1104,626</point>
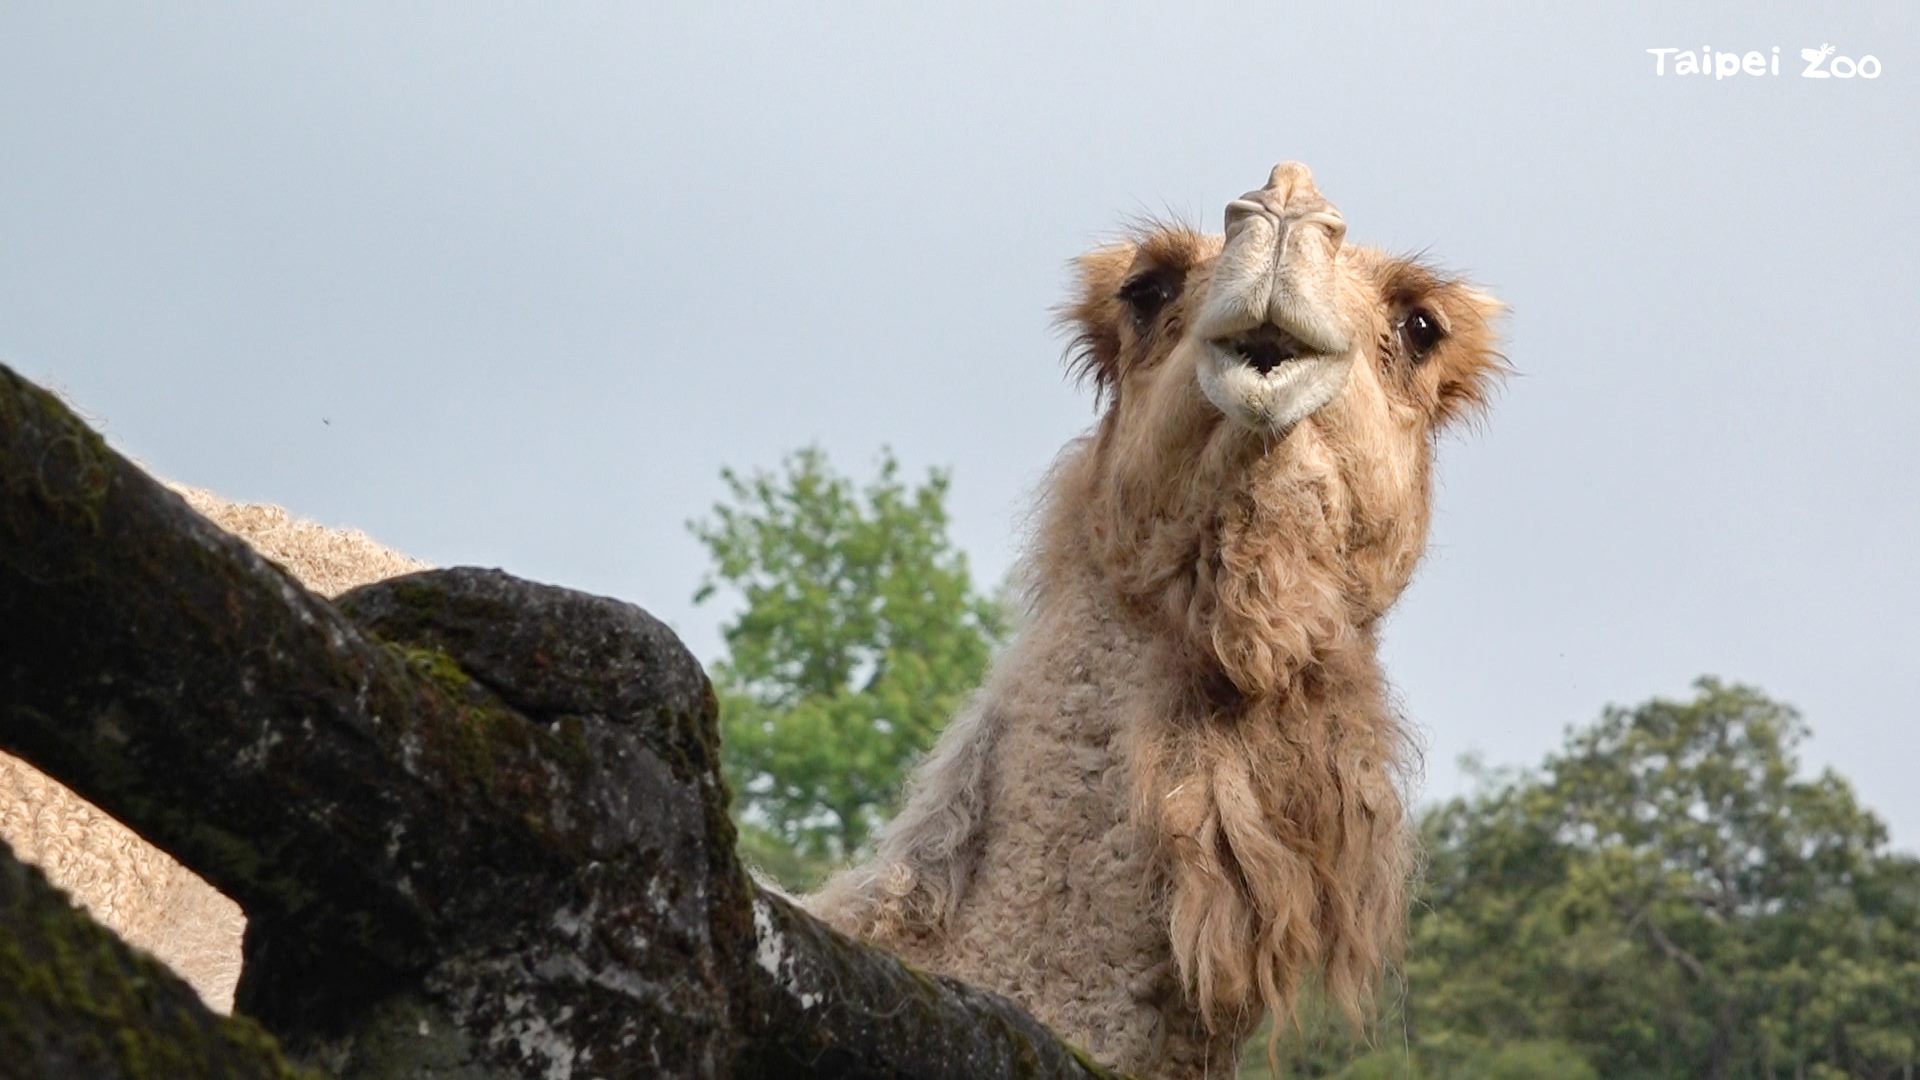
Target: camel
<point>1180,794</point>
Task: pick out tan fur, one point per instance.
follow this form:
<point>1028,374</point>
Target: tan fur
<point>1181,791</point>
<point>131,887</point>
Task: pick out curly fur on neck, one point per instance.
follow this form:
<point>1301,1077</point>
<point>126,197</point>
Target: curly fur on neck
<point>1270,771</point>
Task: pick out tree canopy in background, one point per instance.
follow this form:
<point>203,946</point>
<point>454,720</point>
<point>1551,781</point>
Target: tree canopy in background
<point>1667,896</point>
<point>860,633</point>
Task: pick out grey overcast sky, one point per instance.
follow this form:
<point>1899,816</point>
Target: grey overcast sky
<point>509,284</point>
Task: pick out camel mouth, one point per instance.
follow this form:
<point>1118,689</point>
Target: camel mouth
<point>1264,348</point>
<point>1267,380</point>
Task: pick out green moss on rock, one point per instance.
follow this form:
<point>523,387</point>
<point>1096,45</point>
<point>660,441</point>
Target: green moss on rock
<point>74,1001</point>
<point>74,468</point>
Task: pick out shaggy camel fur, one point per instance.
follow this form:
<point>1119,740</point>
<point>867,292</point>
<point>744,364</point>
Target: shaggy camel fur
<point>128,885</point>
<point>1179,794</point>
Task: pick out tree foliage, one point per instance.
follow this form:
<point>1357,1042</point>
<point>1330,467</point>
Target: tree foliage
<point>1668,896</point>
<point>859,633</point>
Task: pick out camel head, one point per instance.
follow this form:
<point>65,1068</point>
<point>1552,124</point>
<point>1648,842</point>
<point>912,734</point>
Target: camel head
<point>1273,394</point>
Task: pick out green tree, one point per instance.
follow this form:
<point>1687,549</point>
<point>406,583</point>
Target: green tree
<point>1675,898</point>
<point>1668,896</point>
<point>859,634</point>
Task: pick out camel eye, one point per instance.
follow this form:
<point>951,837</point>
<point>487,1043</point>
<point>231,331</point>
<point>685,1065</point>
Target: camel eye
<point>1421,331</point>
<point>1148,291</point>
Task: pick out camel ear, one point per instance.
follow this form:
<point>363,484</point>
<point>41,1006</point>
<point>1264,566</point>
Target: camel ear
<point>1471,367</point>
<point>1093,315</point>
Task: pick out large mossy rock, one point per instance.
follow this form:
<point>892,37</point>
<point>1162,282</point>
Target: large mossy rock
<point>477,824</point>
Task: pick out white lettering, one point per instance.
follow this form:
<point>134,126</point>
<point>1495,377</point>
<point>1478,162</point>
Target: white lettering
<point>1824,62</point>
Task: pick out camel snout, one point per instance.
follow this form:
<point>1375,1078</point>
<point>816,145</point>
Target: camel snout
<point>1289,200</point>
<point>1279,267</point>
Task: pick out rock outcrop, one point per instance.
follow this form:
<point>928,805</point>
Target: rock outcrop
<point>476,824</point>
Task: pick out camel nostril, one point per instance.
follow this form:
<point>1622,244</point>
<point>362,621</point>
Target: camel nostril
<point>1330,220</point>
<point>1245,207</point>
